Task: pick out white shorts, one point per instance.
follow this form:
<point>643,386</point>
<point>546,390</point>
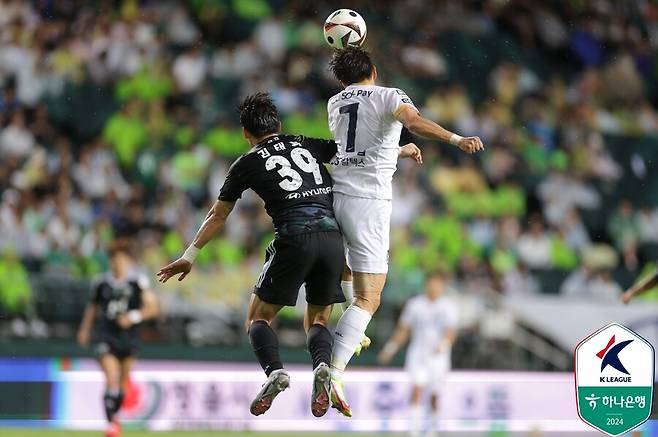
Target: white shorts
<point>366,226</point>
<point>428,371</point>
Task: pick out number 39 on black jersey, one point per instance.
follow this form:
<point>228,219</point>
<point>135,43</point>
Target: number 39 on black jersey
<point>288,173</point>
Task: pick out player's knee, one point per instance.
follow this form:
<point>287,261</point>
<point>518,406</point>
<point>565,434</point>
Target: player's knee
<point>253,320</point>
<point>321,319</point>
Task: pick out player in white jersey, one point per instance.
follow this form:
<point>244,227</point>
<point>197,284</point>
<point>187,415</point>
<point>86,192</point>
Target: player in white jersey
<point>429,321</point>
<point>366,121</point>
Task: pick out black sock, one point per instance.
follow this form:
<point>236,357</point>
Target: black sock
<point>266,346</point>
<point>319,342</point>
<point>111,403</point>
<point>120,397</point>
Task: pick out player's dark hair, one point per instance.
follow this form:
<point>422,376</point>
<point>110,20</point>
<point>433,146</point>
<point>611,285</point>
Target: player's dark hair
<point>436,273</point>
<point>259,116</point>
<point>351,65</point>
<point>121,245</point>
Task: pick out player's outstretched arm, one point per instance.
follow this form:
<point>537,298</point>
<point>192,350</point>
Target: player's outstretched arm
<point>425,128</point>
<point>392,346</point>
<point>640,287</point>
<point>211,226</point>
<point>84,332</point>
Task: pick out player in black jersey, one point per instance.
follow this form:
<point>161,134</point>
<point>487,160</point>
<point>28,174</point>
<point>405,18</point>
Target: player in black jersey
<point>287,172</point>
<point>121,299</point>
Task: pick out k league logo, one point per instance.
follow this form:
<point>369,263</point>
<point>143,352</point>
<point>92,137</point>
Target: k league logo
<point>614,379</point>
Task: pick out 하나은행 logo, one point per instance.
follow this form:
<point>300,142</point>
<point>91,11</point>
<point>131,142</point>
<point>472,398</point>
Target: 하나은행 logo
<point>614,375</point>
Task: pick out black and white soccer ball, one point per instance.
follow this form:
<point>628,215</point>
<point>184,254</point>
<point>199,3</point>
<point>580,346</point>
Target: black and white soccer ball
<point>345,28</point>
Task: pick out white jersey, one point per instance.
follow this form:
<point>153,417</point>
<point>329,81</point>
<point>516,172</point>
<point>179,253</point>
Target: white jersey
<point>429,322</point>
<point>363,124</point>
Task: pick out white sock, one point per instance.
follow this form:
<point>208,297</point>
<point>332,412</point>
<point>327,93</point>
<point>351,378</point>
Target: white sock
<point>434,424</point>
<point>348,291</point>
<point>415,420</point>
<point>349,331</point>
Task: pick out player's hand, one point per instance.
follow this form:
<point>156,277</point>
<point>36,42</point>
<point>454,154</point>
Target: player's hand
<point>83,338</point>
<point>471,144</point>
<point>384,358</point>
<point>180,266</point>
<point>411,151</point>
<point>626,297</point>
<point>124,321</point>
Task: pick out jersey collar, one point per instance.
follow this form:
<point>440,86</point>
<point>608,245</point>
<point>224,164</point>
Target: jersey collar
<point>267,141</point>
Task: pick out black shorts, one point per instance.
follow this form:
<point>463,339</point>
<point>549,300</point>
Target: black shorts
<point>315,259</point>
<point>119,347</point>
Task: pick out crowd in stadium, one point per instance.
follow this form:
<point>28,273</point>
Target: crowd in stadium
<point>125,124</point>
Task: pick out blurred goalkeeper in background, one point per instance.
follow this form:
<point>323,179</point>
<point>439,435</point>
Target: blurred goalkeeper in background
<point>121,299</point>
<point>429,323</point>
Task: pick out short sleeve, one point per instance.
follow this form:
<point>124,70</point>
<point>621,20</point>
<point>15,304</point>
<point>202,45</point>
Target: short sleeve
<point>322,150</point>
<point>407,316</point>
<point>395,100</point>
<point>95,290</point>
<point>143,282</point>
<point>235,183</point>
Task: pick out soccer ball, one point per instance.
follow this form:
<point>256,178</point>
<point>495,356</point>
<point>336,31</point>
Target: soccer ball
<point>345,28</point>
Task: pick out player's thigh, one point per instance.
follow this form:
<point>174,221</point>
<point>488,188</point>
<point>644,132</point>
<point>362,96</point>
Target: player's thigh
<point>111,368</point>
<point>325,252</point>
<point>365,224</point>
<point>261,310</point>
<point>286,265</point>
<point>439,368</point>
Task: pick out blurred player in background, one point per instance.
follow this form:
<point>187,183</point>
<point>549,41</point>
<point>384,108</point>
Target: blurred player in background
<point>286,171</point>
<point>641,287</point>
<point>429,322</point>
<point>366,121</point>
<point>121,298</point>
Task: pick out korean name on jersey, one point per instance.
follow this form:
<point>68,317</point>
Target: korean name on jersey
<point>362,119</point>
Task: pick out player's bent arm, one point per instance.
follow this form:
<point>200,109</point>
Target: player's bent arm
<point>448,340</point>
<point>211,226</point>
<point>150,308</point>
<point>421,126</point>
<point>395,343</point>
<point>86,324</point>
<point>641,287</point>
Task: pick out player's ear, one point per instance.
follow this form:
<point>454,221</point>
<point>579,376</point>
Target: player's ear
<point>374,73</point>
<point>280,127</point>
<point>245,134</point>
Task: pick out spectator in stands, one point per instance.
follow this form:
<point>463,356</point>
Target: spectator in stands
<point>647,224</point>
<point>534,246</point>
<point>624,232</point>
<point>16,140</point>
<point>518,281</point>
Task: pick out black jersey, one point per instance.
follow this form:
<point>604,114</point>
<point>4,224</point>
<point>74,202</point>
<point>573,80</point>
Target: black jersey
<point>113,298</point>
<point>286,171</point>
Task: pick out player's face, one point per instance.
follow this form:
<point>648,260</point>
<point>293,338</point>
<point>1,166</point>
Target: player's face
<point>434,287</point>
<point>119,262</point>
